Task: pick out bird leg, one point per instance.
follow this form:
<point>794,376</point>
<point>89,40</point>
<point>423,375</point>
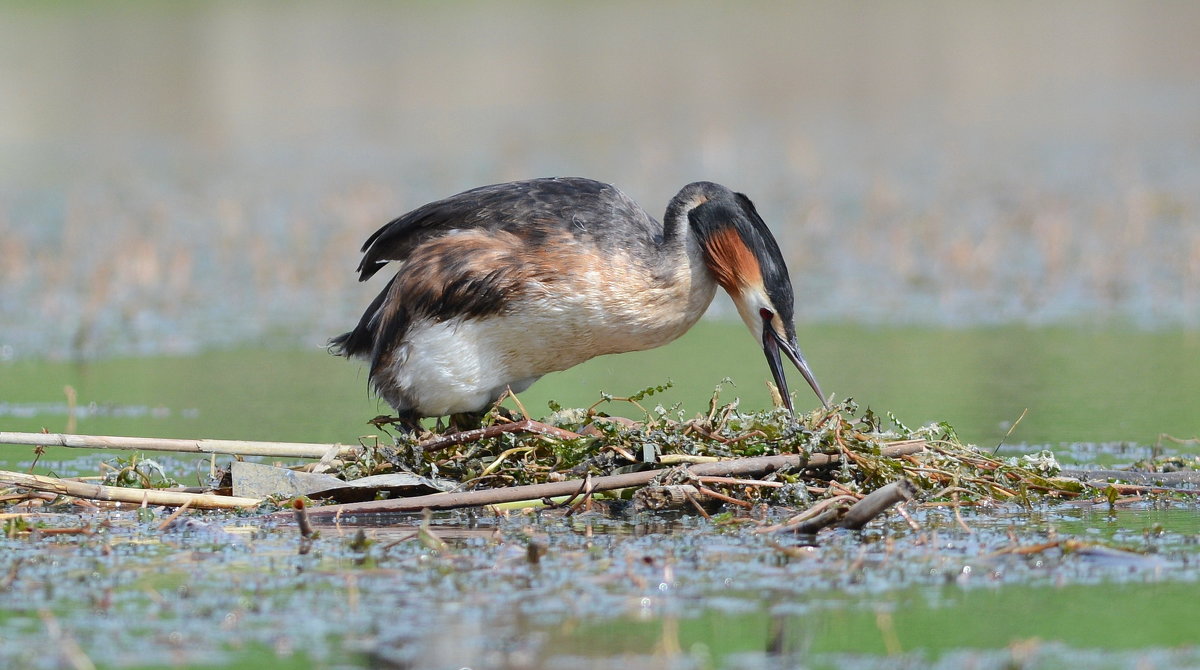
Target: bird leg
<point>407,423</point>
<point>465,421</point>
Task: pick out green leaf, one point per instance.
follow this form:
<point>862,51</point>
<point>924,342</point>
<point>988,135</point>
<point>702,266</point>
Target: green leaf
<point>650,390</point>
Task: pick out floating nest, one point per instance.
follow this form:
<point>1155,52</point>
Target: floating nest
<point>838,456</point>
<point>844,450</point>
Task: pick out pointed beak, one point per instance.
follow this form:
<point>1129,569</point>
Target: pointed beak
<point>773,344</point>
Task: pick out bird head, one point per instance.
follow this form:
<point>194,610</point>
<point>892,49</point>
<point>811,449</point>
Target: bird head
<point>745,260</point>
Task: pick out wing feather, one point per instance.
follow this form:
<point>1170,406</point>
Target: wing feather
<point>532,210</point>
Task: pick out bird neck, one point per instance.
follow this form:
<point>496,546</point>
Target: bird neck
<point>676,223</point>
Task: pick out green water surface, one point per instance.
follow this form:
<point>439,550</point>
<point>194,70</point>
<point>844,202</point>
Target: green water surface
<point>1078,385</point>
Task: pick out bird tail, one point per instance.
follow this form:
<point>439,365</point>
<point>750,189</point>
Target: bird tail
<point>346,344</point>
<point>360,342</point>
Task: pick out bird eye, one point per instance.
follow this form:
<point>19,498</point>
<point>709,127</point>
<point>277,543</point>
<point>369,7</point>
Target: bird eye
<point>766,314</point>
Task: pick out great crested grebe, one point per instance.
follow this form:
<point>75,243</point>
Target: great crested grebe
<point>501,284</point>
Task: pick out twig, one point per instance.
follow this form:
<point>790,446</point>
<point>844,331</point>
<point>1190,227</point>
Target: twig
<point>841,443</point>
<point>887,630</point>
<point>428,538</point>
<point>905,443</point>
<point>958,514</point>
<point>912,523</point>
<point>522,426</point>
<point>520,406</point>
<point>11,577</point>
<point>949,490</point>
<point>174,515</point>
<point>585,497</point>
<point>583,485</point>
<point>620,451</point>
<point>500,460</point>
<point>696,504</point>
<point>307,535</point>
<point>721,496</point>
<point>845,490</point>
<point>1010,430</point>
<point>745,436</point>
<point>301,513</point>
<point>27,496</point>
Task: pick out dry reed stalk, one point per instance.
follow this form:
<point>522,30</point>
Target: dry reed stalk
<point>724,498</point>
<point>120,494</point>
<point>237,447</point>
<point>697,506</point>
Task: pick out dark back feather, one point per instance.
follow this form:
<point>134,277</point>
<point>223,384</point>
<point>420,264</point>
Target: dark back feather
<point>531,209</point>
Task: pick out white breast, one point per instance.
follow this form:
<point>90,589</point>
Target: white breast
<point>463,365</point>
<point>460,365</point>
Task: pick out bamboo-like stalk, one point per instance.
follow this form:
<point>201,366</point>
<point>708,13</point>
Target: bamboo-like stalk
<point>238,447</point>
<point>120,494</point>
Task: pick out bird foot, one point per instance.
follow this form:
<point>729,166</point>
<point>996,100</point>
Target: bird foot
<point>464,421</point>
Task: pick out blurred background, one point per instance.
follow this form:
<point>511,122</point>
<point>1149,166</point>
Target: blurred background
<point>985,206</point>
